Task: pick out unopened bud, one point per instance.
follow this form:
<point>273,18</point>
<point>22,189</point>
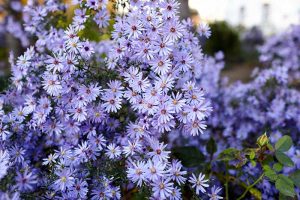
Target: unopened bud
<point>263,140</point>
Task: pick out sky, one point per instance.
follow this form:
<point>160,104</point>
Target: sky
<point>282,13</point>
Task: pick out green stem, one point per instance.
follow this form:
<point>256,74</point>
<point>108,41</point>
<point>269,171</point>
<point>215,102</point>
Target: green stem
<point>226,182</point>
<point>251,186</point>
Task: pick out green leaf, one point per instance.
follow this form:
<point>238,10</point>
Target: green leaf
<point>284,159</point>
<point>228,154</point>
<point>284,197</point>
<point>189,155</point>
<point>211,146</point>
<point>256,193</point>
<point>270,147</point>
<point>277,167</point>
<point>285,186</point>
<point>295,176</point>
<point>271,174</point>
<point>284,143</point>
<point>253,163</point>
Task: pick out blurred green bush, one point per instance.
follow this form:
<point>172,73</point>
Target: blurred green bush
<point>224,38</point>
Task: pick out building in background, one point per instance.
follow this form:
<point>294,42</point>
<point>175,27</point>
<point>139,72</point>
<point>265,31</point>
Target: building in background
<point>270,16</point>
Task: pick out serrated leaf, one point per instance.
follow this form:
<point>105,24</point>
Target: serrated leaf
<point>277,167</point>
<point>295,176</point>
<point>189,155</point>
<point>211,146</point>
<point>285,186</point>
<point>228,154</point>
<point>284,143</point>
<point>284,159</point>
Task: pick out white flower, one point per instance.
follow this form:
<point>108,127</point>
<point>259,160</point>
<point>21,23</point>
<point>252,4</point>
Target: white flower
<point>136,172</point>
<point>113,151</point>
<point>214,193</point>
<point>199,183</point>
<point>162,189</point>
<point>4,163</point>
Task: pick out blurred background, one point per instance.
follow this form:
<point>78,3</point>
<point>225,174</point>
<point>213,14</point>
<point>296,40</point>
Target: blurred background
<point>238,28</point>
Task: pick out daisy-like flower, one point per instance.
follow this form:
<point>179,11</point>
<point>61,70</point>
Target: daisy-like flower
<point>79,189</point>
<point>178,102</point>
<point>133,27</point>
<point>195,127</point>
<point>113,151</point>
<point>65,180</point>
<point>174,30</point>
<point>198,111</point>
<point>92,4</point>
<point>204,30</point>
<point>52,85</point>
<point>79,114</point>
<point>4,163</point>
<point>54,64</point>
<point>161,65</point>
<point>112,103</point>
<point>170,8</point>
<point>199,183</point>
<point>158,152</point>
<point>136,172</point>
<point>17,154</point>
<point>90,92</point>
<point>214,195</point>
<point>20,113</point>
<point>30,104</point>
<point>132,148</point>
<point>4,133</point>
<point>86,49</point>
<point>102,18</point>
<point>165,113</point>
<point>50,160</point>
<point>176,173</point>
<point>155,170</point>
<point>163,47</point>
<point>162,189</point>
<point>25,181</point>
<point>73,45</point>
<point>97,114</point>
<point>176,194</point>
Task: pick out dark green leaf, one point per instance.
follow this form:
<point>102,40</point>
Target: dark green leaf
<point>285,186</point>
<point>189,155</point>
<point>283,197</point>
<point>277,167</point>
<point>228,154</point>
<point>211,146</point>
<point>284,143</point>
<point>271,174</point>
<point>284,159</point>
<point>296,178</point>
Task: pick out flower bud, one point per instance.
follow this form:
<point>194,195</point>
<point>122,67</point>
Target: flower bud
<point>263,140</point>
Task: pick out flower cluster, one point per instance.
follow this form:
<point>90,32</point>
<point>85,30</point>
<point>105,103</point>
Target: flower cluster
<point>86,119</point>
<point>12,19</point>
<point>270,102</point>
